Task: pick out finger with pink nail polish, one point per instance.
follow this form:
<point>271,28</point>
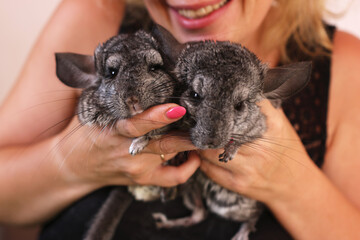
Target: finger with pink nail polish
<point>176,112</point>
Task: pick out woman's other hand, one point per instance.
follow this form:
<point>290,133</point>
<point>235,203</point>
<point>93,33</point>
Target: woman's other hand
<point>265,168</point>
<point>101,156</point>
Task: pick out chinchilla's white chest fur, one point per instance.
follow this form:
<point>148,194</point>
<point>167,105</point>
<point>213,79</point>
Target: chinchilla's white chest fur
<point>145,193</point>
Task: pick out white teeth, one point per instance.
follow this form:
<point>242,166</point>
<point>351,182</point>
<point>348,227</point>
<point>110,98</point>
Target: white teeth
<point>201,12</point>
<point>208,8</point>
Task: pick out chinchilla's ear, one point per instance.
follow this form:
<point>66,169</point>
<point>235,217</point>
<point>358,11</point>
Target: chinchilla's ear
<point>285,81</point>
<point>75,70</point>
<point>168,44</point>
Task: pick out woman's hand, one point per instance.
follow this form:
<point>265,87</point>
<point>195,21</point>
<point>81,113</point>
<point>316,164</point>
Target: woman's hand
<point>101,156</point>
<point>265,168</point>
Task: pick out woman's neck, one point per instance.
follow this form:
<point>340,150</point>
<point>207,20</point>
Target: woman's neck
<point>254,44</point>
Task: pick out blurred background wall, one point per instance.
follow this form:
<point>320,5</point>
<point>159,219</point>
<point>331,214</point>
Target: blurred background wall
<point>22,20</point>
<point>20,23</point>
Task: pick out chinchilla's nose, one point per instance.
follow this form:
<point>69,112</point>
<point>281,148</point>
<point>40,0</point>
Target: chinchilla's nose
<point>206,139</point>
<point>134,106</point>
<point>212,142</point>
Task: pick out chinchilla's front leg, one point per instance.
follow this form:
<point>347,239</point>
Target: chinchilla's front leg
<point>229,152</point>
<point>138,144</point>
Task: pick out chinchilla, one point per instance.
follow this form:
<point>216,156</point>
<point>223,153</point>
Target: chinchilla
<point>127,75</point>
<point>224,82</point>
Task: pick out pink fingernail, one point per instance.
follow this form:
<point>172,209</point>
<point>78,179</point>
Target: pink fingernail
<point>176,112</point>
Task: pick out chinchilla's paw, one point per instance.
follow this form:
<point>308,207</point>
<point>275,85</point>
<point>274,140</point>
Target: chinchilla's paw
<point>225,157</point>
<point>229,152</point>
<point>138,144</point>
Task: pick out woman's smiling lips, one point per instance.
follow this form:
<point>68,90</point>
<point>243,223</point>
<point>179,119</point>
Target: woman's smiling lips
<point>193,16</point>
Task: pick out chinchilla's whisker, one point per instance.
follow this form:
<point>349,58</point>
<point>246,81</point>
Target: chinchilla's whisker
<point>277,153</point>
<point>51,153</point>
<point>278,138</point>
<point>275,140</point>
<point>54,91</point>
<point>91,132</point>
<point>161,91</point>
<point>45,103</point>
<point>262,148</point>
<point>113,125</point>
<point>47,114</point>
<point>74,147</point>
<point>155,85</point>
<point>161,87</point>
<point>287,139</point>
<point>55,125</point>
<point>96,138</point>
<point>269,141</point>
<point>258,147</point>
<point>168,97</point>
<point>277,144</point>
<point>43,132</point>
<point>58,144</point>
<point>69,134</point>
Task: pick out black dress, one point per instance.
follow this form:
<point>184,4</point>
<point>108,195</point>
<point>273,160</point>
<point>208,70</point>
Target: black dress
<point>307,112</point>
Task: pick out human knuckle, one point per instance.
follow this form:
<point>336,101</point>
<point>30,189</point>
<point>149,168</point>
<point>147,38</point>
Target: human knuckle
<point>134,170</point>
<point>164,146</point>
<point>182,178</point>
<point>129,128</point>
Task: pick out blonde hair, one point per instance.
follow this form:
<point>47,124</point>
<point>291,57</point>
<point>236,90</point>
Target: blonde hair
<point>301,20</point>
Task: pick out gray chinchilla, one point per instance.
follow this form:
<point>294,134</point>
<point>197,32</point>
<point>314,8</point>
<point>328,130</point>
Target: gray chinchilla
<point>127,75</point>
<point>224,82</point>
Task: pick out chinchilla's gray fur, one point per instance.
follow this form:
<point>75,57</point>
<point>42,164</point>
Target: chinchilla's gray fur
<point>224,82</point>
<point>125,76</point>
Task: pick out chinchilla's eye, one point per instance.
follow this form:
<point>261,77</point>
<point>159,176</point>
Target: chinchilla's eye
<point>195,95</point>
<point>154,67</point>
<point>111,72</point>
<point>239,106</point>
<point>112,65</point>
